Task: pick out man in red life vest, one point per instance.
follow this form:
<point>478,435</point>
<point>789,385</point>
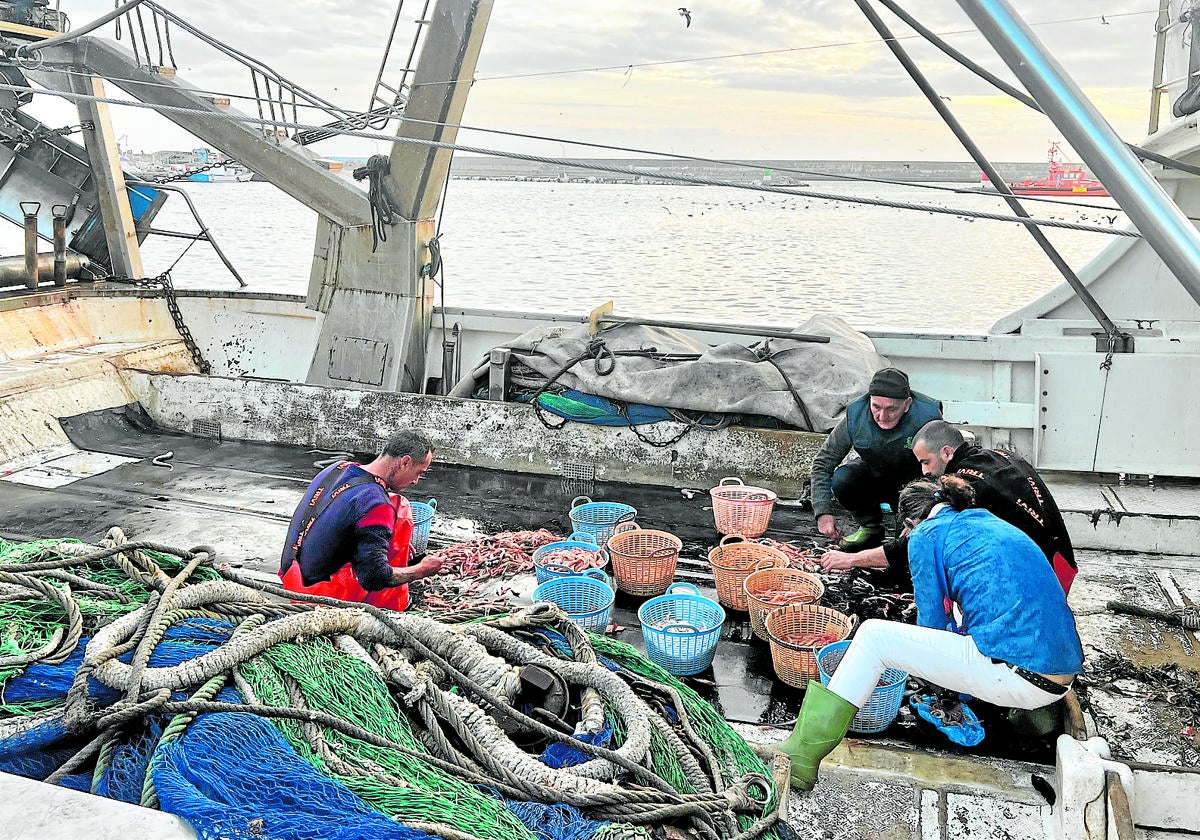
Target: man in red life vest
<point>350,535</point>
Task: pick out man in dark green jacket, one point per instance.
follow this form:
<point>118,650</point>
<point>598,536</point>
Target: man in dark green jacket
<point>879,427</point>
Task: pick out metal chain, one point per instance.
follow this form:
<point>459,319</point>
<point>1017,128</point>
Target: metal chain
<point>30,136</point>
<point>163,281</point>
<point>187,173</point>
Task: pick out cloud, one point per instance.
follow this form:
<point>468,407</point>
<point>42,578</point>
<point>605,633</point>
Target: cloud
<point>749,78</point>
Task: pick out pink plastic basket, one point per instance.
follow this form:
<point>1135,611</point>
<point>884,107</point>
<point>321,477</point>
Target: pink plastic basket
<point>741,510</point>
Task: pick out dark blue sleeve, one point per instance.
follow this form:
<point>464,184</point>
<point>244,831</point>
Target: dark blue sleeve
<point>373,537</point>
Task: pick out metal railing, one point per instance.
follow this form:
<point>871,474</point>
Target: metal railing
<point>153,31</point>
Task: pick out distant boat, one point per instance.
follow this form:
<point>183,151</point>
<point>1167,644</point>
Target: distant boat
<point>1062,179</point>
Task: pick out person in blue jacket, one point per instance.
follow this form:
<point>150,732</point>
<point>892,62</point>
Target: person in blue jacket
<point>879,427</point>
<point>992,622</point>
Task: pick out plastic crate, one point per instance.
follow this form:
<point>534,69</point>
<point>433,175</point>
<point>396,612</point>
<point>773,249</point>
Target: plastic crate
<point>599,518</point>
<point>586,599</point>
<point>808,588</point>
<point>797,664</point>
<point>422,513</point>
<point>543,558</point>
<point>643,560</point>
<point>880,710</point>
<point>732,561</point>
<point>742,510</point>
<point>681,629</point>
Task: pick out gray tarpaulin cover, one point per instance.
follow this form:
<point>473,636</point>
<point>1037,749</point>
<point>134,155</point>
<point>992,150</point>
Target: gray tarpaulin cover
<point>725,379</point>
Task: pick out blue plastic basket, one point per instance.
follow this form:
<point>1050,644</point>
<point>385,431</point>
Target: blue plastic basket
<point>422,521</point>
<point>587,599</point>
<point>884,703</point>
<point>599,518</point>
<point>681,629</point>
<point>543,562</point>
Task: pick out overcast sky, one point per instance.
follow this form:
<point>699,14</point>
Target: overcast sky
<point>818,85</point>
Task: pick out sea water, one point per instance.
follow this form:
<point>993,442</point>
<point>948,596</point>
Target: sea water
<point>669,251</point>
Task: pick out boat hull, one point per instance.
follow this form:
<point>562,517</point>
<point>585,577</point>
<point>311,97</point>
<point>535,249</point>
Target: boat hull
<point>1059,192</point>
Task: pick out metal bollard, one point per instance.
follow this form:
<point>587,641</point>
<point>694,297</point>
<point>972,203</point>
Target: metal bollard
<point>60,244</point>
<point>31,242</point>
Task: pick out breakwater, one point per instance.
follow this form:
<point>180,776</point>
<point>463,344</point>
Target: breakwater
<point>780,172</point>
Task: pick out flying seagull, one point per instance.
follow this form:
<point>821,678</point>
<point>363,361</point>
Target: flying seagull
<point>686,14</point>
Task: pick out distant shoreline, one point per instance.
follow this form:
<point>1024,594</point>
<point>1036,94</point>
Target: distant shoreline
<point>774,172</point>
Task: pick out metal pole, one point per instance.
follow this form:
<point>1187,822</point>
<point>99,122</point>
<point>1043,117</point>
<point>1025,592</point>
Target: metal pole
<point>721,328</point>
<point>30,209</point>
<point>1160,54</point>
<point>60,244</point>
<point>1160,221</point>
<point>204,233</point>
<point>996,179</point>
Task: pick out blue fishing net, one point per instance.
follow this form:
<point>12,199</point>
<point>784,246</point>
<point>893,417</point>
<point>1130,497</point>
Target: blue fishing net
<point>183,641</point>
<point>559,755</point>
<point>38,751</point>
<point>234,777</point>
<point>551,822</point>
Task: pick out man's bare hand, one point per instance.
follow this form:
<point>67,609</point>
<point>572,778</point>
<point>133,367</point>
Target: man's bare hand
<point>828,527</point>
<point>427,567</point>
<point>838,561</point>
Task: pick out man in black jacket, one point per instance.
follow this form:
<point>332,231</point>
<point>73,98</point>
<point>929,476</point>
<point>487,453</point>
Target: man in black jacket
<point>1005,484</point>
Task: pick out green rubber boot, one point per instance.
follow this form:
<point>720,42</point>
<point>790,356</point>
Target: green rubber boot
<point>824,719</point>
<point>868,535</point>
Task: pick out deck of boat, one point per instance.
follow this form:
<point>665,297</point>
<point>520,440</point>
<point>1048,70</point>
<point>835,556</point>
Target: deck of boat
<point>238,497</point>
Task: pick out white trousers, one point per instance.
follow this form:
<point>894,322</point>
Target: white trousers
<point>943,658</point>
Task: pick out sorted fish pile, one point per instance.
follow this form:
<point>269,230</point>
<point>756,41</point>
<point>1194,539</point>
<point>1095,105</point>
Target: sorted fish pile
<point>575,559</point>
<point>804,559</point>
<point>800,638</point>
<point>469,567</point>
<point>782,597</point>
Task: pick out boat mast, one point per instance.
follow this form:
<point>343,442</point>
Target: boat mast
<point>377,287</point>
<point>1160,221</point>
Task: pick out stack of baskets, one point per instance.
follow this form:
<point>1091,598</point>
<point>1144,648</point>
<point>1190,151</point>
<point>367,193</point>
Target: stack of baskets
<point>742,510</point>
<point>796,661</point>
<point>643,560</point>
<point>681,629</point>
<point>422,513</point>
<point>587,599</point>
<point>733,560</point>
<point>545,567</point>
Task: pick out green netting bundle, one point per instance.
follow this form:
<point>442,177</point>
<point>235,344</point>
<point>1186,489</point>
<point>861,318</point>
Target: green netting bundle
<point>146,673</point>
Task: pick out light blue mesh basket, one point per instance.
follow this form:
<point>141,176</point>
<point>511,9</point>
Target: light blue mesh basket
<point>599,518</point>
<point>681,629</point>
<point>884,703</point>
<point>543,559</point>
<point>587,599</point>
<point>422,513</point>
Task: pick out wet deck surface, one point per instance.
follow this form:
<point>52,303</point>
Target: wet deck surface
<point>239,497</point>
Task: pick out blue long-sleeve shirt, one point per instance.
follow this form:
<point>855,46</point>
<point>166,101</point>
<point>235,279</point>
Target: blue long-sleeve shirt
<point>1012,606</point>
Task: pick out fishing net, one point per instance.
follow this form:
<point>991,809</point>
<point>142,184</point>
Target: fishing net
<point>271,793</point>
<point>142,673</point>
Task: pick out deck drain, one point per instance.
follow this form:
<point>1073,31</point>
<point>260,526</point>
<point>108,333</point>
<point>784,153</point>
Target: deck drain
<point>578,472</point>
<point>206,428</point>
